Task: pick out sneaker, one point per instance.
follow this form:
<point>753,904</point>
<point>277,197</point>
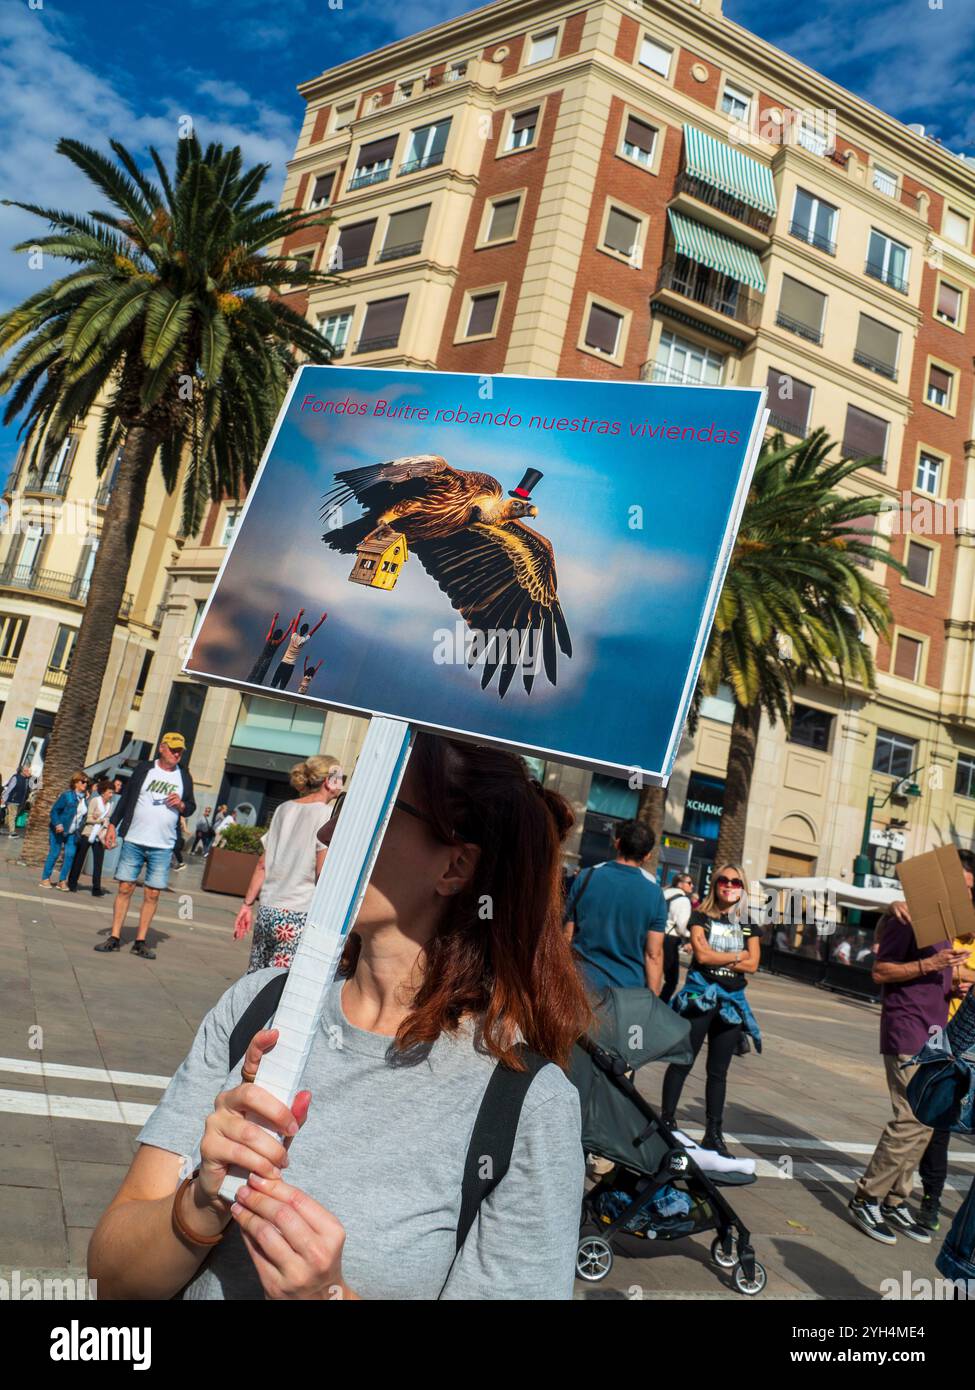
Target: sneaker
<point>99,892</point>
<point>868,1217</point>
<point>179,868</point>
<point>901,1219</point>
<point>929,1214</point>
<point>139,948</point>
<point>111,943</point>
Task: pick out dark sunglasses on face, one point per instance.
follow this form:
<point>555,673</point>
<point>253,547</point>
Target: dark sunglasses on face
<point>723,882</point>
<point>328,829</point>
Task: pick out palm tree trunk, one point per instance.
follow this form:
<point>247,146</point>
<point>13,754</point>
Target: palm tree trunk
<point>651,812</point>
<point>738,785</point>
<point>67,749</point>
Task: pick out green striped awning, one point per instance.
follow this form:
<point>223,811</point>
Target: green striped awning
<point>728,169</point>
<point>710,248</point>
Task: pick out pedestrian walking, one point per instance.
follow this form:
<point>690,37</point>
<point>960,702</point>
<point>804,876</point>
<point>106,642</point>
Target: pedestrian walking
<point>616,916</point>
<point>431,1004</point>
<point>283,880</point>
<point>147,818</point>
<point>222,820</point>
<point>679,908</point>
<point>286,666</point>
<point>916,990</point>
<point>202,830</point>
<point>933,1167</point>
<point>178,861</point>
<point>92,838</point>
<point>726,947</point>
<point>66,819</point>
<point>15,792</point>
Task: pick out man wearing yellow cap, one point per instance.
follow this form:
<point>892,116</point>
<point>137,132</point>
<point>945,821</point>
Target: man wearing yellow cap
<point>147,818</point>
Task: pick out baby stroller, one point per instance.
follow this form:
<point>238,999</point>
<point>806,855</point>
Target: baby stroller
<point>656,1191</point>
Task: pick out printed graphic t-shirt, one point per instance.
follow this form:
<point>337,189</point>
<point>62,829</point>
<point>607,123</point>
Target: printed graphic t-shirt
<point>154,824</point>
<point>724,935</point>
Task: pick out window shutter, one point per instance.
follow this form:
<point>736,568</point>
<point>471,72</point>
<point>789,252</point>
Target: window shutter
<point>503,219</point>
<point>949,301</point>
<point>483,309</point>
<point>940,380</point>
<point>789,399</point>
<point>323,188</point>
<point>907,657</point>
<point>918,563</point>
<point>603,329</point>
<point>377,152</point>
<point>802,303</point>
<point>355,242</point>
<point>407,228</point>
<point>384,318</point>
<point>865,435</point>
<point>622,232</point>
<point>876,340</point>
<point>640,134</point>
<point>525,120</point>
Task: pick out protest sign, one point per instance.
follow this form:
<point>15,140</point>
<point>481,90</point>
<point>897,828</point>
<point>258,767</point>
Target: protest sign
<point>528,562</point>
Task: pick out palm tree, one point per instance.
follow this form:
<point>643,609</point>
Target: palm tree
<point>166,328</point>
<point>795,603</point>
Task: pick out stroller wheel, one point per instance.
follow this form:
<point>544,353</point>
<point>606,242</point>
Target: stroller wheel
<point>725,1260</point>
<point>751,1286</point>
<point>594,1259</point>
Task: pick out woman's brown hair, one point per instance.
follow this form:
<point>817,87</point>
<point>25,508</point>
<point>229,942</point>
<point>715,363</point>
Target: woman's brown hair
<point>76,777</point>
<point>500,952</point>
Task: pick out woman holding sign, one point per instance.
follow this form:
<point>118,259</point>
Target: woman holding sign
<point>458,958</point>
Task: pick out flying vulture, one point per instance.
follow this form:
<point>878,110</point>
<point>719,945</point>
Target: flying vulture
<point>497,572</point>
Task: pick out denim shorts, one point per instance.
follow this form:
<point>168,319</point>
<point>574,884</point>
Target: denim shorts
<point>131,859</point>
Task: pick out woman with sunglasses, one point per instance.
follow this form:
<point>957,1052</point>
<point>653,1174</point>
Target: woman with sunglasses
<point>283,880</point>
<point>726,949</point>
<point>457,956</point>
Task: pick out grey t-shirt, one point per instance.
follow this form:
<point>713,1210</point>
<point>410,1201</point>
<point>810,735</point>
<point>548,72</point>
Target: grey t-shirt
<point>383,1148</point>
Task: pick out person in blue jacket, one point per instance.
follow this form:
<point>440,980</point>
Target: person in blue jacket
<point>67,818</point>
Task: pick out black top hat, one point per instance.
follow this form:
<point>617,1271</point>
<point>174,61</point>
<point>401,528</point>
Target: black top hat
<point>524,488</point>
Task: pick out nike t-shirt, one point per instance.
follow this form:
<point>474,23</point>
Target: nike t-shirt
<point>154,824</point>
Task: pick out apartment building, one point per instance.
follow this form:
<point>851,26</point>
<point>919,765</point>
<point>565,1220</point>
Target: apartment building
<point>648,191</point>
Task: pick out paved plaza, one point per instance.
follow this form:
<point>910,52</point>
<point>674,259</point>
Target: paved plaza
<point>114,1028</point>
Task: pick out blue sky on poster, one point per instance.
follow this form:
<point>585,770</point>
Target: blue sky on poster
<point>628,594</point>
<point>93,69</point>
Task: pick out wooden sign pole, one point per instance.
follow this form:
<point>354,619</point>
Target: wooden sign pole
<point>334,908</point>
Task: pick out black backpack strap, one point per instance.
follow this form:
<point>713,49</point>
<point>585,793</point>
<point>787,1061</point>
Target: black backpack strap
<point>256,1016</point>
<point>581,894</point>
<point>493,1136</point>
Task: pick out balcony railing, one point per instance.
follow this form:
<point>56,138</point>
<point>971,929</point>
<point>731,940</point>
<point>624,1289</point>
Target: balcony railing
<point>341,263</point>
<point>812,237</point>
<point>55,675</point>
<point>874,364</point>
<point>104,494</point>
<point>157,617</point>
<point>427,162</point>
<point>11,484</point>
<point>885,275</point>
<point>803,330</point>
<point>8,665</point>
<point>710,289</point>
<point>375,344</point>
<point>657,371</point>
<point>48,582</point>
<point>396,253</point>
<point>367,177</point>
<point>723,202</point>
<point>787,426</point>
<point>50,487</point>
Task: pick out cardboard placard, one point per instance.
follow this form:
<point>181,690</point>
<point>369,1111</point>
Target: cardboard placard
<point>937,895</point>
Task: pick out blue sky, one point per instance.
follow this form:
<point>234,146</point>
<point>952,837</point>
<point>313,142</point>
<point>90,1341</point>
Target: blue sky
<point>629,593</point>
<point>91,69</point>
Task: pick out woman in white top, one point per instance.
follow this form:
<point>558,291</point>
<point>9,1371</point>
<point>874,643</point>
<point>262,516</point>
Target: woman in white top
<point>100,809</point>
<point>284,879</point>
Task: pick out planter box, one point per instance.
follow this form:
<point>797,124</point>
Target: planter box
<point>228,871</point>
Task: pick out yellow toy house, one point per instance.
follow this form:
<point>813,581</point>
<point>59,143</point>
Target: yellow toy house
<point>379,559</point>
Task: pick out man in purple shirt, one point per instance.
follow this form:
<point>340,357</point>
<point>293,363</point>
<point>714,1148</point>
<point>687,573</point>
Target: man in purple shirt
<point>916,985</point>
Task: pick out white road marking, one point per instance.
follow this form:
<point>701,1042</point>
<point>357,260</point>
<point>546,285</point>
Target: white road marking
<point>781,1142</point>
<point>60,1072</point>
<point>114,1112</point>
<point>105,912</point>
